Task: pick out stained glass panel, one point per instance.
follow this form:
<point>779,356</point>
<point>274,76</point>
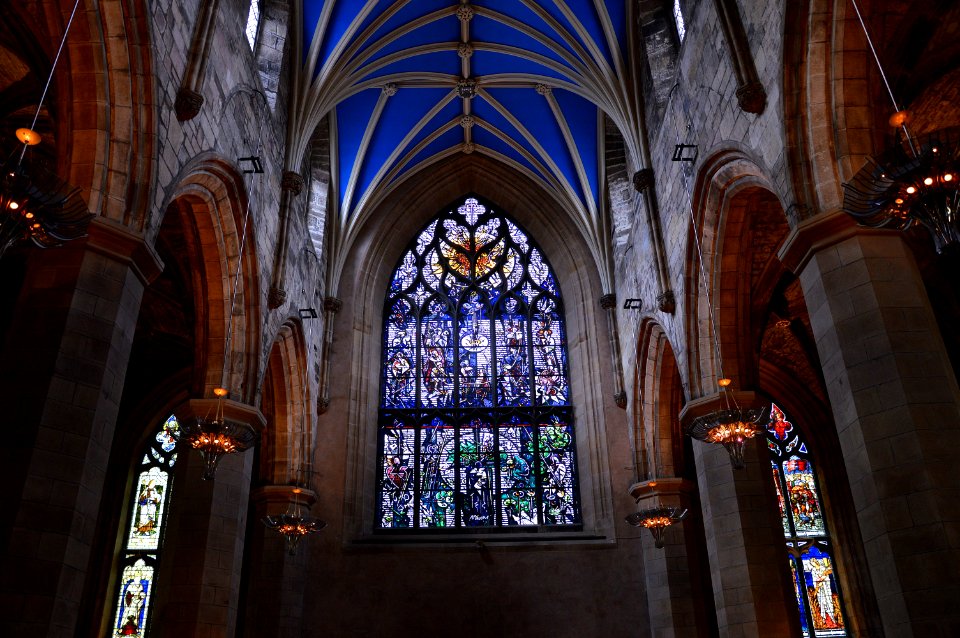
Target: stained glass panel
<point>556,465</point>
<point>798,591</point>
<point>474,335</point>
<point>436,357</point>
<point>804,502</point>
<point>400,389</point>
<point>518,496</point>
<point>513,376</point>
<point>398,445</point>
<point>478,459</point>
<point>823,595</point>
<point>149,500</point>
<point>136,587</point>
<point>437,474</point>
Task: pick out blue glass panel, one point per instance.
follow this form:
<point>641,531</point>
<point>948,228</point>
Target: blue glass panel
<point>513,370</point>
<point>798,589</point>
<point>398,442</point>
<point>548,356</point>
<point>437,474</point>
<point>476,370</point>
<point>436,356</point>
<point>400,389</point>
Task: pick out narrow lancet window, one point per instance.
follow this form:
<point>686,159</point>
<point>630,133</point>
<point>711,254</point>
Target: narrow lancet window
<point>143,533</point>
<point>809,549</point>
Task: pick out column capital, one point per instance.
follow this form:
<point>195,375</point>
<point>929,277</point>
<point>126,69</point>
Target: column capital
<point>818,232</point>
<point>125,245</point>
<point>670,491</point>
<point>276,498</point>
<point>232,411</point>
<point>717,401</point>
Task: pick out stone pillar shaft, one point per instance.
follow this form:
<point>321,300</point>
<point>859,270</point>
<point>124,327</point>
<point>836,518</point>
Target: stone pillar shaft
<point>897,409</point>
<point>748,558</point>
<point>62,372</point>
<point>275,594</point>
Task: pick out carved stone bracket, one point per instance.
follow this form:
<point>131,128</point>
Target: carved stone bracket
<point>621,400</point>
<point>332,304</point>
<point>643,179</point>
<point>187,105</point>
<point>292,182</point>
<point>667,302</point>
<point>752,97</point>
<point>323,404</point>
<point>276,298</point>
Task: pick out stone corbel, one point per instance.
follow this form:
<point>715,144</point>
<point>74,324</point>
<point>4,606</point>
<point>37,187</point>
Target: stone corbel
<point>189,99</point>
<point>232,411</point>
<point>751,95</point>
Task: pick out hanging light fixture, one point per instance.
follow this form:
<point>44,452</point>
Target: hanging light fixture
<point>915,181</point>
<point>731,427</point>
<point>658,518</point>
<point>295,523</point>
<point>35,204</point>
<point>216,437</point>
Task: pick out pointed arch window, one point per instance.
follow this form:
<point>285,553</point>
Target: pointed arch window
<point>809,548</point>
<point>253,23</point>
<point>143,533</point>
<point>475,423</point>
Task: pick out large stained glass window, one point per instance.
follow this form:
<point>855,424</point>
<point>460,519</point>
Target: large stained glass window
<point>143,532</point>
<point>809,550</point>
<point>475,419</point>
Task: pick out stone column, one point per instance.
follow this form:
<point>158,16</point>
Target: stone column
<point>897,411</point>
<point>198,581</point>
<point>61,377</point>
<point>275,591</point>
<point>748,559</point>
<point>670,594</point>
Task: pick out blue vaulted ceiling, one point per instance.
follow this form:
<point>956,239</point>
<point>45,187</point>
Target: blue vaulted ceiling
<point>411,82</point>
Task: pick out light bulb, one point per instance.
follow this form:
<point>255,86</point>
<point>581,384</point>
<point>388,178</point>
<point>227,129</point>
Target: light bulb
<point>911,190</point>
<point>13,206</point>
<point>928,181</point>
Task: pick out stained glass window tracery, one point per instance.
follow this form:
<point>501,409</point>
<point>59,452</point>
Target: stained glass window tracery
<point>143,534</point>
<point>809,549</point>
<point>475,426</point>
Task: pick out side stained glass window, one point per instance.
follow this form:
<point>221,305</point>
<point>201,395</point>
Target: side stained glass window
<point>475,425</point>
<point>809,549</point>
<point>143,533</point>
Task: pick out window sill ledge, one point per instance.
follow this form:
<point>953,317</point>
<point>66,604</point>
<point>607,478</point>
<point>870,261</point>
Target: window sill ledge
<point>480,541</point>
